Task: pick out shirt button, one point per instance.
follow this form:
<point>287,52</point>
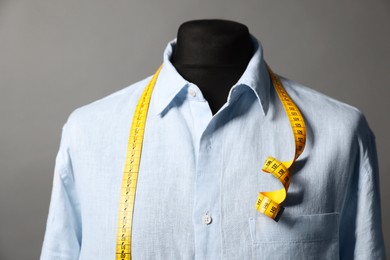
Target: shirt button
<point>192,92</point>
<point>206,219</point>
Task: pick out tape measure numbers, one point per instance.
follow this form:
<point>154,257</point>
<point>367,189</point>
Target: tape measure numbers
<point>267,202</point>
<point>130,174</point>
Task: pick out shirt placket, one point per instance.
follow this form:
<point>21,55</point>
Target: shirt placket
<point>207,203</point>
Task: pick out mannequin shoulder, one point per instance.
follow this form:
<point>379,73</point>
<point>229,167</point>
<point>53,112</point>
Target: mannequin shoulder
<point>111,105</point>
<point>308,98</point>
<point>321,109</point>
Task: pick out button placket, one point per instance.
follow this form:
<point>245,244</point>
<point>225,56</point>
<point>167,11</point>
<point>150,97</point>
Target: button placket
<point>207,228</point>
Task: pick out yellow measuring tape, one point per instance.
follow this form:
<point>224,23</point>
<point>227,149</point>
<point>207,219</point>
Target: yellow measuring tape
<point>268,202</point>
<point>130,175</point>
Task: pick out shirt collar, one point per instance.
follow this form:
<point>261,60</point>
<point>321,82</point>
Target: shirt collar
<point>256,77</point>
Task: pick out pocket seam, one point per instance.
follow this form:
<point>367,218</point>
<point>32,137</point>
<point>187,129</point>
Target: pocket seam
<point>293,241</point>
<point>256,240</point>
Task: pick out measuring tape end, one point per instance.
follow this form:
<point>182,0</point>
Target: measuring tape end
<point>279,214</point>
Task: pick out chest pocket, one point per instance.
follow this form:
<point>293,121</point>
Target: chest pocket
<point>295,237</point>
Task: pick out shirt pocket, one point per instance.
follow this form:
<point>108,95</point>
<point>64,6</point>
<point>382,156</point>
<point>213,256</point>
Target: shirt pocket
<point>295,237</point>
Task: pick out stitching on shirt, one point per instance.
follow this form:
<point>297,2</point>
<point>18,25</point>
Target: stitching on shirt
<point>368,171</point>
<point>295,241</point>
<point>220,189</point>
<point>308,215</point>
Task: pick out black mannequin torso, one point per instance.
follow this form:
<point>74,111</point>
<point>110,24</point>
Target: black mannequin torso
<point>212,54</point>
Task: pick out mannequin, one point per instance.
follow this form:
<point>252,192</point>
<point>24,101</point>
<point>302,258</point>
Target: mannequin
<point>212,54</point>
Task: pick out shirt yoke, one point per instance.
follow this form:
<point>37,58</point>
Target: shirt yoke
<point>331,114</point>
<point>115,104</point>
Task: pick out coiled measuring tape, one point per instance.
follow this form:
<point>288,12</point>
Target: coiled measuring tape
<point>268,202</point>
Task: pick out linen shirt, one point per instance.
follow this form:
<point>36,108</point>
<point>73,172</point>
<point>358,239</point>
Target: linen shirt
<point>200,175</point>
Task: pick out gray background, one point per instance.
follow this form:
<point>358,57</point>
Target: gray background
<point>58,55</point>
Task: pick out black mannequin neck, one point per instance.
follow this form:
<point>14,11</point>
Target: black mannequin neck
<point>212,54</point>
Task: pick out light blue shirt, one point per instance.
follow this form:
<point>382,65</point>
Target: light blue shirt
<point>197,165</point>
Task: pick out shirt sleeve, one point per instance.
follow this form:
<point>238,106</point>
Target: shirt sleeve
<point>361,227</point>
<point>62,237</point>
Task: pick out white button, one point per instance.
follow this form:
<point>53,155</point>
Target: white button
<point>192,92</point>
<point>206,218</point>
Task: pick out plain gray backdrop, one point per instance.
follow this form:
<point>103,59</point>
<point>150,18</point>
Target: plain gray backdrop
<point>58,55</point>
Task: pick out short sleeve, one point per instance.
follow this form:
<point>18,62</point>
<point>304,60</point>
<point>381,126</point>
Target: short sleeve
<point>62,238</point>
<point>361,225</point>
